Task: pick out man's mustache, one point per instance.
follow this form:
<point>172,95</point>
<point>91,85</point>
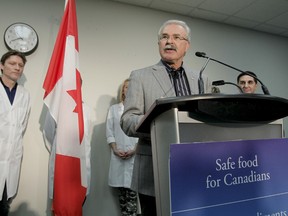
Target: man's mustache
<point>169,47</point>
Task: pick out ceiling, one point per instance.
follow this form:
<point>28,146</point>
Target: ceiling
<point>269,16</point>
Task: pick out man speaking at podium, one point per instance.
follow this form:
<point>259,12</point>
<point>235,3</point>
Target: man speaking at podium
<point>168,78</point>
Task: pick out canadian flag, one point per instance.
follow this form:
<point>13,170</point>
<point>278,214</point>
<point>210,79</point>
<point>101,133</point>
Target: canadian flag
<point>63,98</point>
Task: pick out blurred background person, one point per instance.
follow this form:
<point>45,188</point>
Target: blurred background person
<point>122,156</point>
<point>247,83</point>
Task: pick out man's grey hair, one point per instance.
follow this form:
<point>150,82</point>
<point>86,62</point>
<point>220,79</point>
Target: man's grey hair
<point>176,22</point>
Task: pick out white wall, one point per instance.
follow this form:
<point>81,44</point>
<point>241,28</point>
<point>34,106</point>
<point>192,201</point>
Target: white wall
<point>115,39</point>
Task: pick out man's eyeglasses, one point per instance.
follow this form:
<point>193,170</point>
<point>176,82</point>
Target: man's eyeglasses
<point>175,37</point>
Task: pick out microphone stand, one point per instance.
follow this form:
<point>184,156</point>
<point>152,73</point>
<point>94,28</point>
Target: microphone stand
<point>200,79</point>
<point>264,88</point>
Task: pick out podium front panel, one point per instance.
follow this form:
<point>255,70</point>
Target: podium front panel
<point>175,126</point>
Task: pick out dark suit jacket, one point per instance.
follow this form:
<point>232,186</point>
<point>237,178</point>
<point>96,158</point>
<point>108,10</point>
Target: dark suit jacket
<point>145,86</point>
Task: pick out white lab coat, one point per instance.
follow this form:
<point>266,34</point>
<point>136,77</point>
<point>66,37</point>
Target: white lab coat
<point>120,171</point>
<point>13,123</point>
<point>49,133</point>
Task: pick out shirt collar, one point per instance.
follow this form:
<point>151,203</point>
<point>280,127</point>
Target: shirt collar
<point>170,69</point>
<point>6,87</point>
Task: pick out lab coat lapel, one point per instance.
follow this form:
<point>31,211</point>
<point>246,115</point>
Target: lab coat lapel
<point>4,97</point>
<point>163,79</point>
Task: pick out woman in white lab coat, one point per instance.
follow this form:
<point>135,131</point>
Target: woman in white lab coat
<point>14,113</point>
<point>122,156</point>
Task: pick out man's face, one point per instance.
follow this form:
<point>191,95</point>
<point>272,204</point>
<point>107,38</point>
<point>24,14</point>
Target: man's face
<point>12,68</point>
<point>247,84</point>
<point>173,45</point>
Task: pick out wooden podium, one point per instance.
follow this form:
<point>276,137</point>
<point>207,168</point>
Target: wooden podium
<point>207,117</point>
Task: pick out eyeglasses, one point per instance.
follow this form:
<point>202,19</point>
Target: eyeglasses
<point>175,37</point>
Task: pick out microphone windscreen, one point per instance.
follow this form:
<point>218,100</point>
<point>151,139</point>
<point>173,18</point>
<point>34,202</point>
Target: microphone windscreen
<point>218,82</point>
<point>200,54</point>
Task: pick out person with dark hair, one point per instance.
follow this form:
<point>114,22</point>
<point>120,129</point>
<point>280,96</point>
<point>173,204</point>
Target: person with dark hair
<point>14,114</point>
<point>247,83</point>
<point>169,77</point>
<point>122,156</point>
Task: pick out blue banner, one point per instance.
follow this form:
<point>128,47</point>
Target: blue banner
<point>239,178</point>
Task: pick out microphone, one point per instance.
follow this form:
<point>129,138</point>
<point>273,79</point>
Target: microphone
<point>200,54</point>
<point>264,88</point>
<point>200,79</point>
<point>218,82</point>
<point>222,82</point>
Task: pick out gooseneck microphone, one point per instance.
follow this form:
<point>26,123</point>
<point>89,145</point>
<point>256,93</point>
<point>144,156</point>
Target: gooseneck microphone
<point>200,79</point>
<point>200,54</point>
<point>222,82</point>
<point>203,55</point>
